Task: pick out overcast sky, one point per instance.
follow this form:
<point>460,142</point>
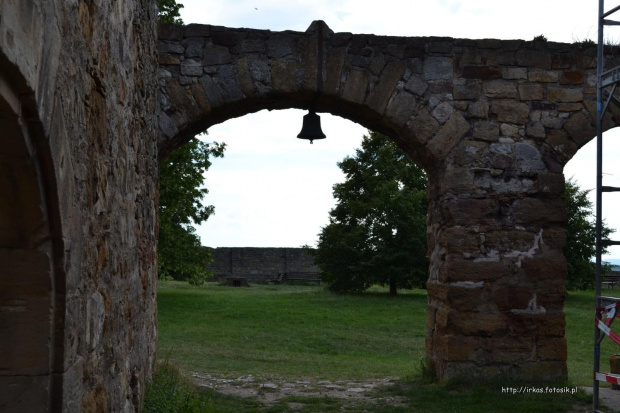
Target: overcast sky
<point>274,190</point>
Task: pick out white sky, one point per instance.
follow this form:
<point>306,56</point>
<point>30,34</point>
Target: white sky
<point>274,190</point>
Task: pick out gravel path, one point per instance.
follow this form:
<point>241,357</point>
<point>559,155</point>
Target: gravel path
<point>270,392</point>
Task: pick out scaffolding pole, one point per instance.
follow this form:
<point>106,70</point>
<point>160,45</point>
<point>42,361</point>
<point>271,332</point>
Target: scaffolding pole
<point>605,312</point>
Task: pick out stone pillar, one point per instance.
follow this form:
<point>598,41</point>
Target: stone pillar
<point>497,277</point>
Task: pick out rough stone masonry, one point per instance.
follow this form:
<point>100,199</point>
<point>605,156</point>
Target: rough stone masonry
<point>93,95</point>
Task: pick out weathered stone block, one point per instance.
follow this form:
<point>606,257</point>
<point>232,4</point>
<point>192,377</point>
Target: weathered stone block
<point>436,68</point>
<point>499,89</point>
<point>534,58</point>
<point>228,38</point>
<point>457,181</point>
<point>579,129</point>
<point>542,76</point>
<point>508,348</point>
<point>464,89</point>
<point>356,85</point>
<point>562,145</point>
<point>501,57</point>
<point>533,210</point>
<point>478,110</point>
<point>554,349</point>
<point>381,93</point>
<point>545,266</point>
<point>458,239</point>
<point>557,94</point>
<point>448,136</point>
<point>486,131</point>
<point>509,130</point>
<point>510,111</point>
<point>533,325</point>
<point>536,130</point>
<point>468,153</point>
<point>416,85</point>
<point>457,347</point>
<point>190,67</point>
<point>401,108</point>
<point>194,47</point>
<point>509,297</point>
<point>469,211</point>
<point>471,323</point>
<point>424,126</point>
<point>333,71</point>
<point>443,112</point>
<point>216,55</point>
<point>279,46</point>
<point>530,92</point>
<point>283,75</point>
<point>514,73</point>
<point>457,295</point>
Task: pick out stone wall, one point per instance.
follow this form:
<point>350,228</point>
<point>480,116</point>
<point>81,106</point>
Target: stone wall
<point>259,264</point>
<point>78,192</point>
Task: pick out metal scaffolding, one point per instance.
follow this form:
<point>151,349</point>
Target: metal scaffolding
<point>607,81</point>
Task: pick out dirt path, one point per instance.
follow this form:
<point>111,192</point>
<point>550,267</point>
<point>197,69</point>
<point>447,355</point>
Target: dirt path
<point>272,391</point>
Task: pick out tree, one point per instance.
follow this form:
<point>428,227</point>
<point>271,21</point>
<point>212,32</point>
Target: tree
<point>180,254</point>
<point>377,231</point>
<point>169,11</point>
<point>580,237</point>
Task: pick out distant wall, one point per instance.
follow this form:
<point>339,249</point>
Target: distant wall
<point>259,264</point>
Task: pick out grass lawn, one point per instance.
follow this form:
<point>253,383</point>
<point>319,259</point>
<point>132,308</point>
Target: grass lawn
<point>304,331</point>
<point>289,330</point>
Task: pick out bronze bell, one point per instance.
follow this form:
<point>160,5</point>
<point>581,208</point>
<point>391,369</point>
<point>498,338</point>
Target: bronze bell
<point>311,128</point>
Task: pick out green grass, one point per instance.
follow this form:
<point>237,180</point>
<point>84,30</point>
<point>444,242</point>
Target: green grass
<point>292,331</point>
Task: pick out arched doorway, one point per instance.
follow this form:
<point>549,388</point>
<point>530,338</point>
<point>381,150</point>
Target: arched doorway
<point>31,285</point>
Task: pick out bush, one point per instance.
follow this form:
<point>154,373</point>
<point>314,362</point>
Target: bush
<point>171,392</point>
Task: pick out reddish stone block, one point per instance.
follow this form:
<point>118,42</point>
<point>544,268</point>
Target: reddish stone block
<point>537,325</point>
<point>533,210</point>
<point>457,297</point>
<point>457,348</point>
<point>507,349</point>
<point>572,77</point>
<point>481,72</point>
<point>457,239</point>
<point>469,211</point>
<point>469,323</point>
<point>545,266</point>
<point>509,297</point>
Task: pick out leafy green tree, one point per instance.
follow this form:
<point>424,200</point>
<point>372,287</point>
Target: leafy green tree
<point>169,11</point>
<point>180,254</point>
<point>377,231</point>
<point>580,237</point>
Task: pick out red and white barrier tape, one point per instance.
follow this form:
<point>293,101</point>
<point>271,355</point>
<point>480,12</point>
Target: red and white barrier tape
<point>605,329</point>
<point>608,377</point>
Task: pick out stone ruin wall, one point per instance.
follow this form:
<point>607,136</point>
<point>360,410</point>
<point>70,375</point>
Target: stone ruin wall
<point>492,121</point>
<point>82,77</point>
<point>259,264</point>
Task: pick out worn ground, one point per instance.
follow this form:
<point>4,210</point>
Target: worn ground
<point>275,389</point>
<point>364,392</point>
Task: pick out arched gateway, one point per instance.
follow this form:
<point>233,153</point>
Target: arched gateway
<point>492,121</point>
<point>85,117</point>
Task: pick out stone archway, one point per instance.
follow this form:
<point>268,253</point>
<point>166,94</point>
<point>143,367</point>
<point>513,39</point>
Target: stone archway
<point>31,283</point>
<point>492,121</point>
